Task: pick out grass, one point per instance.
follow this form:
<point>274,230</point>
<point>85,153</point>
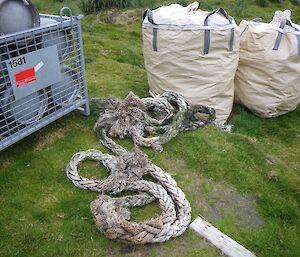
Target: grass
<point>246,183</point>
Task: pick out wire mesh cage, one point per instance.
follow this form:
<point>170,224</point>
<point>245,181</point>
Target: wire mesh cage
<point>42,76</point>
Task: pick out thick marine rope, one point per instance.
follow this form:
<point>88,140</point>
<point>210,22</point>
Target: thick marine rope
<point>133,117</point>
<point>112,214</point>
<point>165,116</point>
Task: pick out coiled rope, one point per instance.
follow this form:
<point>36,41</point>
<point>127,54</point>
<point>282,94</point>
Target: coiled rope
<point>133,117</point>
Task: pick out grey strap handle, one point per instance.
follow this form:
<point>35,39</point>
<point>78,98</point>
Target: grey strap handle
<point>154,39</point>
<point>149,14</point>
<point>283,23</point>
<point>207,31</point>
<point>298,41</point>
<point>220,11</point>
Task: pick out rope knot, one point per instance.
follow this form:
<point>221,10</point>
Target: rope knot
<point>119,116</point>
<point>131,166</point>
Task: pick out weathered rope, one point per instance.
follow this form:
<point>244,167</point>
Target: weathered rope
<point>133,117</point>
<point>127,173</point>
<point>164,116</point>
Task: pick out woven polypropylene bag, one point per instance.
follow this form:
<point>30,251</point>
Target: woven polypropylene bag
<point>193,53</point>
<point>268,76</point>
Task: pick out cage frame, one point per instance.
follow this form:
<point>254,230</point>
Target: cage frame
<point>61,22</point>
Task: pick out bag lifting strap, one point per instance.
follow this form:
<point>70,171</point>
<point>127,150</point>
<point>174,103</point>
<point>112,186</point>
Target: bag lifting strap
<point>283,23</point>
<point>207,31</point>
<point>149,14</point>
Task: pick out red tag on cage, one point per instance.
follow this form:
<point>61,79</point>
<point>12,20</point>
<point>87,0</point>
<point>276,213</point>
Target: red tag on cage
<point>24,77</point>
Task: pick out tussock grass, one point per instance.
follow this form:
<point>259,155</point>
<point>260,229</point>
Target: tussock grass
<point>92,6</point>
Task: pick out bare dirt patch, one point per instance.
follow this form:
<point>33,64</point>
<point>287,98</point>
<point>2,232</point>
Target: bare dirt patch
<point>224,200</point>
<point>5,160</point>
<point>216,200</point>
<point>47,139</point>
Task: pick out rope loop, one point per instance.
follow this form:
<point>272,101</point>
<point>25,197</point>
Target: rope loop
<point>163,116</point>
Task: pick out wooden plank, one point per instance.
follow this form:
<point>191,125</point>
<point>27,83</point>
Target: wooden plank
<point>227,245</point>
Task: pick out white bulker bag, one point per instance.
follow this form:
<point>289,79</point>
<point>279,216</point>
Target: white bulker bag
<point>268,76</point>
<point>193,53</point>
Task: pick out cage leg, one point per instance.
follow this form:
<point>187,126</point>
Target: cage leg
<point>85,110</point>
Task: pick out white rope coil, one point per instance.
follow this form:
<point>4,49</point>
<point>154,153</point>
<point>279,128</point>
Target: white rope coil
<point>112,214</point>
